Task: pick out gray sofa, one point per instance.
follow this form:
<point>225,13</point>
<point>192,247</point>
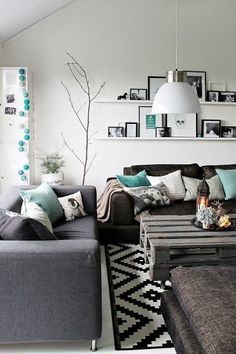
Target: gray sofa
<point>51,290</point>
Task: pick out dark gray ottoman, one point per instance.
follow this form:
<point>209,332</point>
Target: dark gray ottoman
<point>200,311</point>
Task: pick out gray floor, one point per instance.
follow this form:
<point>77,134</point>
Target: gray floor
<point>105,344</point>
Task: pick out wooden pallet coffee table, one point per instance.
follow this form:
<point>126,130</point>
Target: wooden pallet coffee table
<point>172,240</point>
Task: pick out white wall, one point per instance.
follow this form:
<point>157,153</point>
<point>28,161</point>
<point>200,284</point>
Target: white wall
<point>1,51</point>
<point>121,43</point>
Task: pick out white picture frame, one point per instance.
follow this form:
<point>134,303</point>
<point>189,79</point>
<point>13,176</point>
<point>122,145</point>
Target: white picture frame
<point>182,125</point>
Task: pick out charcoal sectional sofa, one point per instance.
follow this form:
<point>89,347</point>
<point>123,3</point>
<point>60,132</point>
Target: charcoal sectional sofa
<point>51,290</point>
<point>122,226</point>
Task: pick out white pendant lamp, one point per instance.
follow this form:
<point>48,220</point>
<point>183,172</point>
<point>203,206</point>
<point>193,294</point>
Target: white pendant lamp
<point>176,95</point>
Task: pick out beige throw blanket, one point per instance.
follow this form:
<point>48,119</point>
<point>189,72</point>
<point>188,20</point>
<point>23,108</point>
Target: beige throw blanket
<point>104,202</point>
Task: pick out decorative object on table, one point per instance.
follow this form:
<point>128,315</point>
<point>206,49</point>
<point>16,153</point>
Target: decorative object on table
<point>138,94</point>
<point>143,327</point>
<point>116,132</point>
<point>213,218</point>
<point>213,96</point>
<point>211,128</point>
<point>51,165</point>
<point>163,132</point>
<point>227,96</point>
<point>81,78</point>
<point>123,97</point>
<point>148,122</point>
<point>228,132</point>
<point>203,192</point>
<point>207,217</point>
<point>154,84</point>
<point>197,80</point>
<point>131,129</point>
<point>182,125</point>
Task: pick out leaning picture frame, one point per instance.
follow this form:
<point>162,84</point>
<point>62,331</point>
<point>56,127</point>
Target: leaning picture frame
<point>116,132</point>
<point>211,128</point>
<point>182,125</point>
<point>228,132</point>
<point>138,94</point>
<point>148,122</point>
<point>131,129</point>
<point>154,83</point>
<point>197,79</point>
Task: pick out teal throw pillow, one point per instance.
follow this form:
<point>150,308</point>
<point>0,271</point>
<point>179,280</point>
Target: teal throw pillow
<point>46,198</point>
<point>228,180</point>
<point>134,181</point>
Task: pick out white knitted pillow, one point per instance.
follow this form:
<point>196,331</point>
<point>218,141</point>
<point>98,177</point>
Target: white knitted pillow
<point>173,182</point>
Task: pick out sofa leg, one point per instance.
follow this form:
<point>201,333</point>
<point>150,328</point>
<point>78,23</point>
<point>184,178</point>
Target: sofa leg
<point>93,345</point>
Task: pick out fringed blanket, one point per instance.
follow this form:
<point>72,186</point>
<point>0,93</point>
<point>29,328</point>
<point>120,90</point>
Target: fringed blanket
<point>104,202</point>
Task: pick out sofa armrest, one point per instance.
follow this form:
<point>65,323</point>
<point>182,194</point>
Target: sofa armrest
<point>122,209</point>
<point>50,291</point>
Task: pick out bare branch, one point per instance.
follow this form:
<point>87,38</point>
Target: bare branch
<point>76,78</point>
<point>100,89</point>
<point>90,163</point>
<point>76,62</point>
<point>72,105</point>
<point>71,150</point>
<point>80,109</point>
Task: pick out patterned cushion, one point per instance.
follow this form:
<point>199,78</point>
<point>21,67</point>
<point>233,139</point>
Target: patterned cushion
<point>73,206</point>
<point>173,182</point>
<point>148,197</point>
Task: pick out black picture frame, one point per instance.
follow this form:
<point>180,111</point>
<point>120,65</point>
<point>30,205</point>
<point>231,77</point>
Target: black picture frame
<point>227,96</point>
<point>211,128</point>
<point>131,129</point>
<point>138,94</point>
<point>116,132</point>
<point>213,96</point>
<point>197,79</point>
<point>154,83</point>
<point>228,132</point>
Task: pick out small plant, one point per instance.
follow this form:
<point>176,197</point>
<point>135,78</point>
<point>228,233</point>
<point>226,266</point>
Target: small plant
<point>207,216</point>
<point>52,163</point>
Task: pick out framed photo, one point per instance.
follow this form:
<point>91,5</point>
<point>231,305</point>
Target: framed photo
<point>162,132</point>
<point>227,96</point>
<point>213,96</point>
<point>148,122</point>
<point>131,129</point>
<point>197,79</point>
<point>138,94</point>
<point>154,83</point>
<point>116,132</point>
<point>228,132</point>
<point>182,125</point>
<point>211,128</point>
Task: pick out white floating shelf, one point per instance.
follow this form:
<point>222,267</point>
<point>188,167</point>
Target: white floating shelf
<point>147,102</point>
<point>167,139</point>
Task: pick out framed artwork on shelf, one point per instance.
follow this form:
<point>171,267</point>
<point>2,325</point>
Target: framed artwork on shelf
<point>227,96</point>
<point>182,125</point>
<point>213,96</point>
<point>162,132</point>
<point>148,122</point>
<point>116,132</point>
<point>197,79</point>
<point>228,132</point>
<point>154,83</point>
<point>211,128</point>
<point>131,129</point>
<point>138,94</point>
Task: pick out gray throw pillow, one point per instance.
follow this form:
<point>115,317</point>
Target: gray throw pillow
<point>214,183</point>
<point>148,197</point>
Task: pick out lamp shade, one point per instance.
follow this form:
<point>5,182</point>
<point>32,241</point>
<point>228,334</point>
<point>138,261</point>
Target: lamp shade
<point>176,97</point>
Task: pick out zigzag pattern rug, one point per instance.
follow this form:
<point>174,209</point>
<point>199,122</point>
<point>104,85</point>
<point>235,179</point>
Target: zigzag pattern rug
<point>135,300</point>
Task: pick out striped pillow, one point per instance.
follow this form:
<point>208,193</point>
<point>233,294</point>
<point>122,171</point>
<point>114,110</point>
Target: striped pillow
<point>173,182</point>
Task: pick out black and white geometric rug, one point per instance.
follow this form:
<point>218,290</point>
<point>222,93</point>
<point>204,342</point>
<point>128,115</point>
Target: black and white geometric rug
<point>135,300</point>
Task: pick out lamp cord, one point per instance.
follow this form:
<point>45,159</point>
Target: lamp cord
<point>176,35</point>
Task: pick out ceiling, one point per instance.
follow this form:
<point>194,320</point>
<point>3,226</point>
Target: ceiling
<point>15,15</point>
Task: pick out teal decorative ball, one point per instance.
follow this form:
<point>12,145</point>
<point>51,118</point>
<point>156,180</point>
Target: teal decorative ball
<point>21,71</point>
<point>20,172</point>
<point>26,107</point>
<point>23,178</point>
<point>26,101</point>
<point>21,114</point>
<point>21,143</point>
<point>26,131</point>
<point>26,167</point>
<point>21,149</point>
<point>25,94</point>
<point>22,77</point>
<point>27,137</point>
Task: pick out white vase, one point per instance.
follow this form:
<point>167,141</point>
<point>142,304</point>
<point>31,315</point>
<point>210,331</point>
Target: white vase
<point>205,226</point>
<point>53,178</point>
